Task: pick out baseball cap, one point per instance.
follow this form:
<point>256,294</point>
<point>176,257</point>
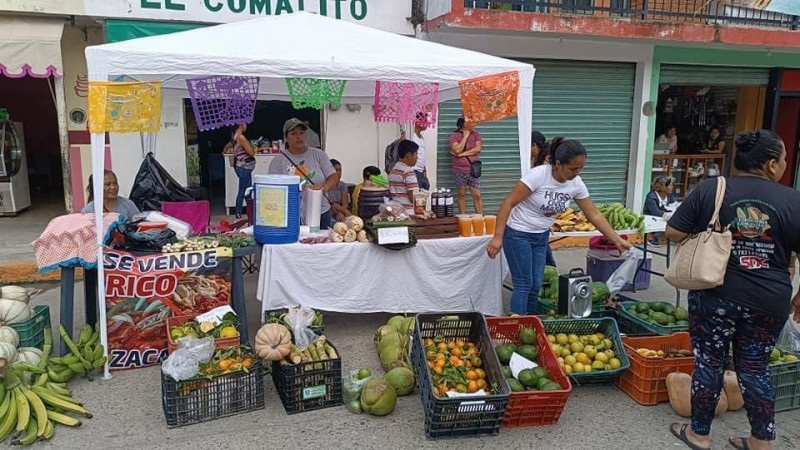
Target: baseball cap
<point>293,123</point>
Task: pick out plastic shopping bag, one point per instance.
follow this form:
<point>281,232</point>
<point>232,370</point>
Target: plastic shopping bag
<point>299,321</point>
<point>184,362</point>
<point>625,273</point>
<point>790,337</point>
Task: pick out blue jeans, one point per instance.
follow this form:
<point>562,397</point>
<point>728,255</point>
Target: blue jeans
<point>325,220</point>
<point>549,259</point>
<point>245,181</point>
<point>526,254</point>
<point>422,180</point>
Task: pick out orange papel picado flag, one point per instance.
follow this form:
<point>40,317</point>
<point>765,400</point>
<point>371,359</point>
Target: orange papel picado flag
<point>489,98</point>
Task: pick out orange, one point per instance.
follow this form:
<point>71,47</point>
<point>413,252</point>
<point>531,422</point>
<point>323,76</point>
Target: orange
<point>460,342</point>
<point>439,363</point>
<point>477,362</point>
<point>451,344</point>
<point>472,351</point>
<point>472,386</point>
<point>472,375</point>
<point>461,388</point>
<point>481,374</point>
<point>428,342</point>
<point>482,384</point>
<point>440,356</point>
<point>468,364</point>
<point>456,351</point>
<point>442,346</point>
<point>438,369</point>
<point>455,360</point>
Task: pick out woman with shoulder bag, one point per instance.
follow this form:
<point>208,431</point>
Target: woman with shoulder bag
<point>750,307</point>
<point>465,146</point>
<point>244,162</point>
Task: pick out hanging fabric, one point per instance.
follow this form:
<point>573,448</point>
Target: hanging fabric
<point>315,93</point>
<point>415,103</point>
<point>124,107</point>
<point>219,101</point>
<point>489,98</point>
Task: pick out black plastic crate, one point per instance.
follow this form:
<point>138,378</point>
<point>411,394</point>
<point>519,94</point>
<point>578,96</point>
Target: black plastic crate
<point>479,415</point>
<point>207,398</point>
<point>607,326</point>
<point>308,386</point>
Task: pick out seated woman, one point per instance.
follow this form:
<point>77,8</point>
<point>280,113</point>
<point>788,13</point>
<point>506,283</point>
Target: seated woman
<point>655,204</point>
<point>112,201</point>
<point>714,143</point>
<point>339,197</point>
<point>367,173</point>
<point>670,137</point>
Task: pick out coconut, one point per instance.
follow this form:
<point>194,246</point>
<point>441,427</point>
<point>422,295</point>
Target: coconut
<point>401,379</point>
<point>398,322</point>
<point>408,325</point>
<point>389,355</point>
<point>378,397</point>
<point>393,339</point>
<point>383,331</point>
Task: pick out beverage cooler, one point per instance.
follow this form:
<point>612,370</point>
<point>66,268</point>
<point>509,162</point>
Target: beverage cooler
<point>15,193</point>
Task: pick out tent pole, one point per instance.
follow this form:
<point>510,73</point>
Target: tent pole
<point>63,138</point>
<point>98,165</point>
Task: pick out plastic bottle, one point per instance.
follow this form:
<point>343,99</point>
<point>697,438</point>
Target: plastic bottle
<point>449,204</point>
<point>434,201</point>
<point>440,204</point>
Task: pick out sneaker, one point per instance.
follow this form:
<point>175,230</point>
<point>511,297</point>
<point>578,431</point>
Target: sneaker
<point>238,216</point>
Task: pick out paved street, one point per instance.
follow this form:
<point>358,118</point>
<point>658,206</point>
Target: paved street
<point>128,412</point>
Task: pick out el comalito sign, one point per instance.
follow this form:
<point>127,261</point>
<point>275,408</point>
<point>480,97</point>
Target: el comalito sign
<point>387,15</point>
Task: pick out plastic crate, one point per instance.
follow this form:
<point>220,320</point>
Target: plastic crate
<point>544,306</point>
<point>531,408</point>
<point>606,326</point>
<point>470,416</point>
<point>646,381</point>
<point>664,330</point>
<point>218,342</point>
<point>786,380</point>
<point>308,386</point>
<point>600,266</point>
<point>318,330</point>
<point>207,398</point>
<point>31,331</point>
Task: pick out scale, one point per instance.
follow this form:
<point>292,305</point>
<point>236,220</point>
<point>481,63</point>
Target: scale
<point>575,294</point>
<point>15,194</point>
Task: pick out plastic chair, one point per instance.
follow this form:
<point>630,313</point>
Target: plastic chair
<point>196,213</point>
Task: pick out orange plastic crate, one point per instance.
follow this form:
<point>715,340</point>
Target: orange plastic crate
<point>531,408</point>
<point>646,381</point>
<point>218,342</point>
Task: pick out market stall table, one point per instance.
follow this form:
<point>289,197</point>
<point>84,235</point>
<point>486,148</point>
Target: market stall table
<point>655,224</point>
<point>452,274</point>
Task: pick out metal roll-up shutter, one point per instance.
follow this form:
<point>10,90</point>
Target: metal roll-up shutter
<point>500,156</point>
<point>713,75</point>
<point>588,101</point>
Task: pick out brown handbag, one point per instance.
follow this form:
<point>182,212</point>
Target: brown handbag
<point>701,259</point>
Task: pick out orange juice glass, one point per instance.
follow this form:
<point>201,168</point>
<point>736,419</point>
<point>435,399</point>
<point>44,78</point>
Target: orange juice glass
<point>490,222</point>
<point>464,226</point>
<point>477,224</point>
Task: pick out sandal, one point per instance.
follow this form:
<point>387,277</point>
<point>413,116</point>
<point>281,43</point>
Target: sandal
<point>681,434</point>
<point>739,443</point>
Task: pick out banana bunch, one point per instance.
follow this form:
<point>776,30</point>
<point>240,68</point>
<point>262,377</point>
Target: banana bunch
<point>622,218</point>
<point>572,220</point>
<point>85,355</point>
<point>30,412</point>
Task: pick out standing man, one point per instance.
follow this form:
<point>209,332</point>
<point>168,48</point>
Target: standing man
<point>420,125</point>
<point>312,138</point>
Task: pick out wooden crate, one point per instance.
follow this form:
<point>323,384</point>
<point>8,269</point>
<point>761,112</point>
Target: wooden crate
<point>693,9</point>
<point>446,227</point>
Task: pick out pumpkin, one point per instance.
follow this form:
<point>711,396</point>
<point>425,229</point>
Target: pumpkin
<point>730,385</point>
<point>16,293</point>
<point>7,352</point>
<point>679,387</point>
<point>273,342</point>
<point>10,335</point>
<point>722,404</point>
<point>12,311</point>
<point>28,355</point>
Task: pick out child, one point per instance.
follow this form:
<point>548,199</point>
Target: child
<point>368,172</point>
<point>402,178</point>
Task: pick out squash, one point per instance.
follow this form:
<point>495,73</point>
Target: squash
<point>16,293</point>
<point>679,387</point>
<point>12,311</point>
<point>722,404</point>
<point>7,353</point>
<point>28,355</point>
<point>10,335</point>
<point>273,342</point>
<point>730,385</point>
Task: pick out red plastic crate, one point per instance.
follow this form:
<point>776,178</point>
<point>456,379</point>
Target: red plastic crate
<point>531,408</point>
<point>646,381</point>
<point>218,342</point>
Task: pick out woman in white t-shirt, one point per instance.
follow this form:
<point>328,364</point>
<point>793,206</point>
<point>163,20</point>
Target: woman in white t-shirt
<point>526,215</point>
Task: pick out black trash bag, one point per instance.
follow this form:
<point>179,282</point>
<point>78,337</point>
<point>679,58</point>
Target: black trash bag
<point>153,185</point>
<point>144,241</point>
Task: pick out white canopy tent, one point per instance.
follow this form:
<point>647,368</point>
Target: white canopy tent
<point>295,45</point>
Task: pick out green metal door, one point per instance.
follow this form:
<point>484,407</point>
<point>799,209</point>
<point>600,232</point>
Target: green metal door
<point>588,101</point>
<point>713,75</point>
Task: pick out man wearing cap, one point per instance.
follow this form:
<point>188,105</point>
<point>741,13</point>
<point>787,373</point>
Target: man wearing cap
<point>309,163</point>
<point>420,125</point>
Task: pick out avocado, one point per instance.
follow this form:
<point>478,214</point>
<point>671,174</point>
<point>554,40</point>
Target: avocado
<point>515,385</point>
<point>660,318</point>
<point>642,308</point>
<point>528,352</point>
<point>657,306</point>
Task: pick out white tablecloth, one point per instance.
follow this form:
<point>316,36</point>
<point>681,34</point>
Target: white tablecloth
<point>436,275</point>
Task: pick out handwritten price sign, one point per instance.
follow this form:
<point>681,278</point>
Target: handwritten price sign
<point>393,235</point>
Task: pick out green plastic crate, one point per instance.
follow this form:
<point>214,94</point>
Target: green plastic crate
<point>606,326</point>
<point>31,331</point>
<point>786,381</point>
<point>664,330</point>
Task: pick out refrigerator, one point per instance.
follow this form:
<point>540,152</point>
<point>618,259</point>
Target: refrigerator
<point>15,194</point>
